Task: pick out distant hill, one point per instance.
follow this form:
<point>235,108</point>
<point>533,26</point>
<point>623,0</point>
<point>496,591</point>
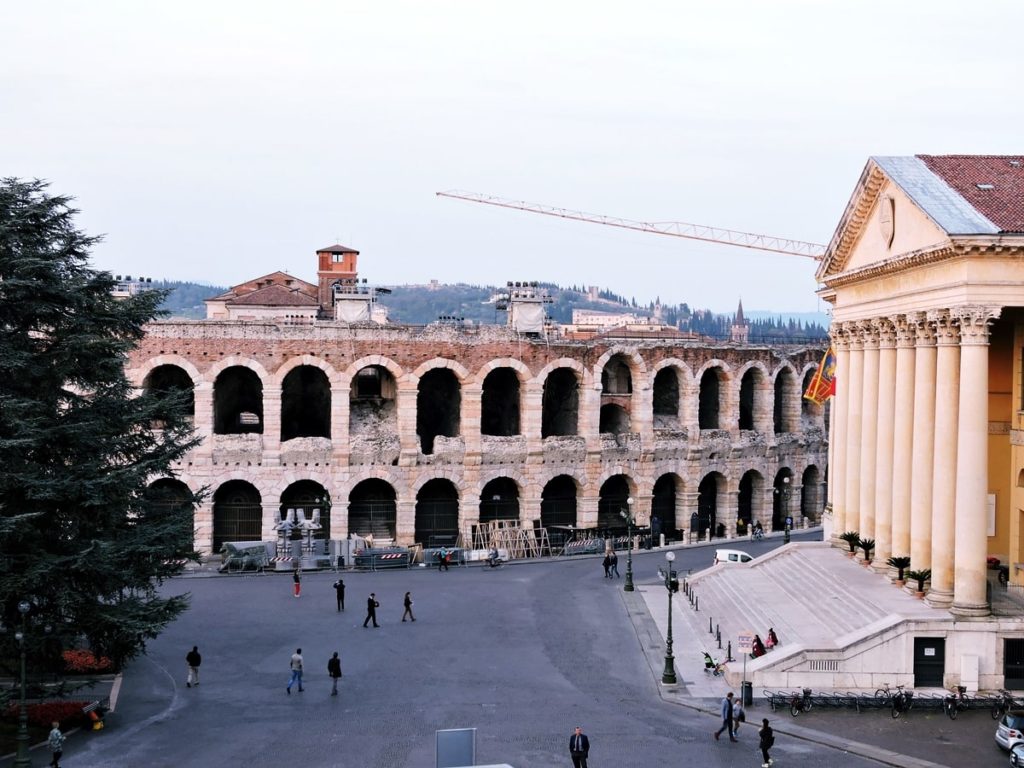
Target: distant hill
<point>423,304</point>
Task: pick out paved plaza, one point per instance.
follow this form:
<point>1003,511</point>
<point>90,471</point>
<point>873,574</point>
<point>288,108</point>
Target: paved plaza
<point>521,653</point>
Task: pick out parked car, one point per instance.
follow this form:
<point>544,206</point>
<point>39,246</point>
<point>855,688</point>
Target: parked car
<point>731,556</point>
<point>1017,755</point>
<point>1010,733</point>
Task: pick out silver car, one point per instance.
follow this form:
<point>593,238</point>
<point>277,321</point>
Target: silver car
<point>1010,733</point>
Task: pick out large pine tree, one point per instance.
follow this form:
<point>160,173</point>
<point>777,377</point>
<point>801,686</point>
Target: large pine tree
<point>81,538</point>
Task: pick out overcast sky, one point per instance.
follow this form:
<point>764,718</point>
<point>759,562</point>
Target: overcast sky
<point>219,141</point>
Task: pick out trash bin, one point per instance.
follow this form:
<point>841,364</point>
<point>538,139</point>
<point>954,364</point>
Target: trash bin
<point>747,693</point>
<point>341,562</point>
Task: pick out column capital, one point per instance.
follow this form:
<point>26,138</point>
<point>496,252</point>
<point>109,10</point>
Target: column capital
<point>947,333</point>
<point>924,329</point>
<point>974,321</point>
<point>868,330</point>
<point>840,341</point>
<point>886,332</point>
<point>906,332</point>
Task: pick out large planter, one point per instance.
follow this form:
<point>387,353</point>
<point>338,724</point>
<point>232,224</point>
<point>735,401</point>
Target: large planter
<point>899,582</point>
<point>919,595</point>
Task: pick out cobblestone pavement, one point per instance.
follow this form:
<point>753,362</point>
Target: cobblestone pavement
<point>522,653</point>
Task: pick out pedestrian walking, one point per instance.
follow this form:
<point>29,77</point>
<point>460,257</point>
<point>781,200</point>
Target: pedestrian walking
<point>193,659</point>
<point>339,593</point>
<point>767,742</point>
<point>334,670</point>
<point>607,563</point>
<point>615,564</point>
<point>442,559</point>
<point>579,748</point>
<point>297,579</point>
<point>739,715</point>
<point>371,610</point>
<point>296,668</point>
<point>408,607</point>
<point>726,718</point>
<point>55,741</point>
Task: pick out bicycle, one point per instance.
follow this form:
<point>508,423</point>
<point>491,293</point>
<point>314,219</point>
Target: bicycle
<point>956,702</point>
<point>1003,703</point>
<point>902,701</point>
<point>884,694</point>
<point>801,703</point>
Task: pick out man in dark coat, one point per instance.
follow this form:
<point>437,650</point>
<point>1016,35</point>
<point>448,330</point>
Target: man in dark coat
<point>727,724</point>
<point>339,592</point>
<point>334,670</point>
<point>371,610</point>
<point>193,659</point>
<point>579,748</point>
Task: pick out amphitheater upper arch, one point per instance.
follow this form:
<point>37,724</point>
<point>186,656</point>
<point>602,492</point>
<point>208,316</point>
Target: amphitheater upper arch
<point>477,488</point>
<point>562,362</point>
<point>370,473</point>
<point>370,360</point>
<point>441,362</point>
<point>451,475</point>
<point>783,366</point>
<point>636,363</point>
<point>741,372</point>
<point>673,362</point>
<point>504,362</point>
<point>238,361</point>
<point>541,480</point>
<point>810,367</point>
<point>333,375</point>
<point>256,479</point>
<point>139,374</point>
<point>714,363</point>
<point>631,475</point>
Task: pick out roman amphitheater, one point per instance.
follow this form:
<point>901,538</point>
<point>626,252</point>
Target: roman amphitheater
<point>304,400</point>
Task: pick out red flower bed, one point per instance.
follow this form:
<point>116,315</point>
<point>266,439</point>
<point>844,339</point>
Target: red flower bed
<point>42,715</point>
<point>81,662</point>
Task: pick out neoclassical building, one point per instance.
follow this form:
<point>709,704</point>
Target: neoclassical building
<point>926,277</point>
<point>415,434</point>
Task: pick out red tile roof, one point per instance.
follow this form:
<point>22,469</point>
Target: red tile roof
<point>336,249</point>
<point>1003,204</point>
<point>274,296</point>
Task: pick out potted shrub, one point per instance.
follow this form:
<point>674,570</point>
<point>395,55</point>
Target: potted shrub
<point>901,564</point>
<point>868,546</point>
<point>920,577</point>
<point>852,538</point>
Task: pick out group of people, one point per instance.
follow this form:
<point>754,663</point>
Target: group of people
<point>761,647</point>
<point>372,604</point>
<point>733,715</point>
<point>296,664</point>
<point>611,564</point>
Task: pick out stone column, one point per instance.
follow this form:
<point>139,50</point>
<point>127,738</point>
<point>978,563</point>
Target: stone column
<point>689,509</point>
<point>854,423</point>
<point>409,441</point>
<point>341,409</point>
<point>203,423</point>
<point>837,434</point>
<point>271,426</point>
<point>924,445</point>
<point>947,405</point>
<point>405,522</point>
<point>903,435</point>
<point>884,442</point>
<point>732,513</point>
<point>469,424</point>
<point>530,420</point>
<point>970,577</point>
<point>869,429</point>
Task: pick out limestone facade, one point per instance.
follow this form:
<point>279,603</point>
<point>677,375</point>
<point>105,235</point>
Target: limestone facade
<point>397,430</point>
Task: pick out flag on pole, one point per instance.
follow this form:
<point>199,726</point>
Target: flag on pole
<point>823,384</point>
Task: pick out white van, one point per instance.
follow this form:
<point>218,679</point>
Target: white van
<point>731,556</point>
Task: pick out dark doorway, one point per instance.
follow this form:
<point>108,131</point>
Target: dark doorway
<point>663,508</point>
<point>311,502</point>
<point>1013,664</point>
<point>437,514</point>
<point>612,502</point>
<point>438,404</point>
<point>707,505</point>
<point>371,510</point>
<point>499,500</point>
<point>929,661</point>
<point>499,404</point>
<point>305,403</point>
<point>709,403</point>
<point>561,403</point>
<point>165,380</point>
<point>237,513</point>
<point>558,508</point>
<point>237,402</point>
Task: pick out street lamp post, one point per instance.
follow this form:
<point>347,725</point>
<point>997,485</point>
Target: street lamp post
<point>785,509</point>
<point>22,758</point>
<point>628,514</point>
<point>668,677</point>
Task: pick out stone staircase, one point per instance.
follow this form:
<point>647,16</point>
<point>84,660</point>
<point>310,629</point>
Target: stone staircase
<point>827,609</point>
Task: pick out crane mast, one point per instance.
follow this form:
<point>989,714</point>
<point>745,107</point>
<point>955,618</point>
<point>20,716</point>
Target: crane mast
<point>708,234</point>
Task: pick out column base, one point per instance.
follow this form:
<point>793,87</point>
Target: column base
<point>962,609</point>
<point>880,566</point>
<point>939,598</point>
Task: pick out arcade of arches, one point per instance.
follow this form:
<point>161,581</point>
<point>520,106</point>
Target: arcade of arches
<point>373,432</point>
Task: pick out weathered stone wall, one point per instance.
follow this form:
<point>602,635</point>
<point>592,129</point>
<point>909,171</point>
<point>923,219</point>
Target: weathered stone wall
<point>382,443</point>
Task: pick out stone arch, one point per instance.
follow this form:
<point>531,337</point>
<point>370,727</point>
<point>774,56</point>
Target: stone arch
<point>637,366</point>
<point>139,374</point>
<point>559,499</point>
<point>237,513</point>
<point>713,395</point>
<point>613,496</point>
<point>396,371</point>
<point>708,520</point>
<point>333,375</point>
<point>437,512</point>
<point>560,401</point>
<point>305,403</point>
<point>169,497</point>
<point>521,369</point>
<point>238,401</point>
<point>311,502</point>
<point>563,362</point>
<point>369,472</point>
<point>665,497</point>
<point>809,410</point>
<point>438,405</point>
<point>812,500</point>
<point>456,368</point>
<point>501,399</point>
<point>499,499</point>
<point>753,378</point>
<point>614,419</point>
<point>166,379</point>
<point>373,510</point>
<point>233,361</point>
<point>750,499</point>
<point>782,491</point>
<point>786,412</point>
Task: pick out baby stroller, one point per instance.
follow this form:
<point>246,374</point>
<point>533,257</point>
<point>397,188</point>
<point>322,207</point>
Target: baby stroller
<point>712,667</point>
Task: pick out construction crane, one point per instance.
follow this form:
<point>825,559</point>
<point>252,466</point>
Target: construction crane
<point>813,251</point>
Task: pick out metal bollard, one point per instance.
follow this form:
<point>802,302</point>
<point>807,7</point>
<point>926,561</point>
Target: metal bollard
<point>696,604</point>
<point>728,652</point>
<point>718,637</point>
<point>711,626</point>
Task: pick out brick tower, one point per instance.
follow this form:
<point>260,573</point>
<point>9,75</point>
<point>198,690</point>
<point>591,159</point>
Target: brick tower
<point>334,263</point>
